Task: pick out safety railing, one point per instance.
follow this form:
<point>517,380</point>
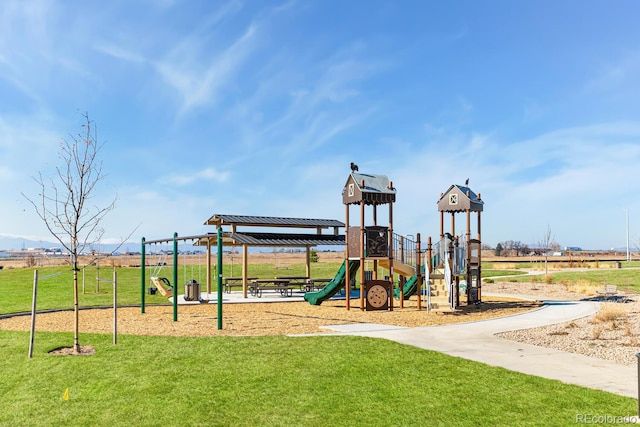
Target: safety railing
<point>404,249</point>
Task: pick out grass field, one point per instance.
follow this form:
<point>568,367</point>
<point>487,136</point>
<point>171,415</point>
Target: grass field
<point>56,291</point>
<point>280,381</point>
<point>625,278</point>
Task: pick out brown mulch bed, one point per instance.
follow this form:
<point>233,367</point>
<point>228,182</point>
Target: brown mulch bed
<point>254,319</point>
<point>85,350</point>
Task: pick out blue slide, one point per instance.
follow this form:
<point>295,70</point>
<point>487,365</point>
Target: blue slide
<point>332,288</point>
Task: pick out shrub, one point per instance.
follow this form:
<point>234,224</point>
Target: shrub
<point>610,312</point>
<point>596,332</point>
<point>30,261</point>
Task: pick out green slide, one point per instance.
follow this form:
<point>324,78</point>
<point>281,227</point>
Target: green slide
<point>410,288</point>
<point>332,288</point>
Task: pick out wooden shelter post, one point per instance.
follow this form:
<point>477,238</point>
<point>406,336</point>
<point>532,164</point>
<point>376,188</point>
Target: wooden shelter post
<point>391,252</point>
<point>479,259</point>
<point>419,270</point>
<point>362,254</point>
<point>347,273</point>
<point>457,277</point>
<point>401,278</point>
<point>208,266</point>
<point>453,225</point>
<point>375,223</point>
<point>468,254</point>
<point>428,264</point>
<point>245,263</point>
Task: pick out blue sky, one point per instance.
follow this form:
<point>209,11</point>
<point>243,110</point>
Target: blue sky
<point>258,107</point>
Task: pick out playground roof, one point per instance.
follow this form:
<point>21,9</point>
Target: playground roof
<point>273,239</point>
<point>268,221</point>
<point>459,198</point>
<point>368,189</point>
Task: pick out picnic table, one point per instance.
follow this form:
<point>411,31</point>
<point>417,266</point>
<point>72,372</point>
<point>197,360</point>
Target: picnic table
<point>231,282</point>
<point>302,281</point>
<point>280,285</point>
<point>317,284</point>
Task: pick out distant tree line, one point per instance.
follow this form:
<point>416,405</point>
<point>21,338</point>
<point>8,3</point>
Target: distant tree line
<point>512,248</point>
<point>517,248</point>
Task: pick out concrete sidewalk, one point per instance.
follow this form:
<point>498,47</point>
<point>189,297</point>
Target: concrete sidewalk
<point>477,341</point>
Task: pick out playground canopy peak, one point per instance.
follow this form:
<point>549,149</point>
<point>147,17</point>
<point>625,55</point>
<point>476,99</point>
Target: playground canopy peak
<point>370,189</point>
<point>460,198</point>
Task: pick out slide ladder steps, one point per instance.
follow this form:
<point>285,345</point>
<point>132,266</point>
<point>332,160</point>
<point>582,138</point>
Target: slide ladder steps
<point>439,296</point>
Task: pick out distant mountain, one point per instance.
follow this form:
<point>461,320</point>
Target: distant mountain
<point>14,243</point>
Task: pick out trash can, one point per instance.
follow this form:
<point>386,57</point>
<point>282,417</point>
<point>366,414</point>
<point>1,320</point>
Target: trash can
<point>192,290</point>
<point>618,264</point>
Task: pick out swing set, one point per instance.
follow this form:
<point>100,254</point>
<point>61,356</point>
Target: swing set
<point>162,284</point>
<point>168,286</point>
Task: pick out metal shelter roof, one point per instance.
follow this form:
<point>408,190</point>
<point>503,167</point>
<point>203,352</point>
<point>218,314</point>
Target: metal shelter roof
<point>284,239</point>
<point>268,221</point>
<point>273,239</point>
<point>234,237</point>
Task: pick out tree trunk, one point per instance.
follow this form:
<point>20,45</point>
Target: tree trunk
<point>545,265</point>
<point>76,310</point>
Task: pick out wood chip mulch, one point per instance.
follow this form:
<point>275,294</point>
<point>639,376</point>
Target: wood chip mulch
<point>256,319</point>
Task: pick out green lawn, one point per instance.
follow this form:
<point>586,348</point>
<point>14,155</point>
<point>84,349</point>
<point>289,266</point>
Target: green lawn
<point>281,381</point>
<point>501,273</point>
<point>16,285</point>
<point>626,278</point>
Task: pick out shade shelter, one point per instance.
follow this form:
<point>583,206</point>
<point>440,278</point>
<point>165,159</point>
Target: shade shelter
<point>294,238</point>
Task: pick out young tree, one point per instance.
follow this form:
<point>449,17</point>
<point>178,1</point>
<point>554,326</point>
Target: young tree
<point>546,243</point>
<point>64,202</point>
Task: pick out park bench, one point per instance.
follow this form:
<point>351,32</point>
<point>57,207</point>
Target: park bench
<point>283,286</point>
<point>609,291</point>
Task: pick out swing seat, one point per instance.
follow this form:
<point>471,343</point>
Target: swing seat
<point>163,285</point>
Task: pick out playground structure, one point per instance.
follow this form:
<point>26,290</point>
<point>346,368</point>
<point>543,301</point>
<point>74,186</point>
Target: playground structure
<point>363,244</point>
<point>446,267</point>
<point>450,263</point>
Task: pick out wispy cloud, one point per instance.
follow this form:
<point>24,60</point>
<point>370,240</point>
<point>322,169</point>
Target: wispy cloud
<point>205,175</point>
<point>120,53</point>
<point>199,85</point>
<point>26,142</point>
<point>39,49</point>
<point>301,106</point>
<point>618,73</point>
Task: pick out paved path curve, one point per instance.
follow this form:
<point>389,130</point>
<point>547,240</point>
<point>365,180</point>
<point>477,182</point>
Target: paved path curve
<point>477,341</point>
